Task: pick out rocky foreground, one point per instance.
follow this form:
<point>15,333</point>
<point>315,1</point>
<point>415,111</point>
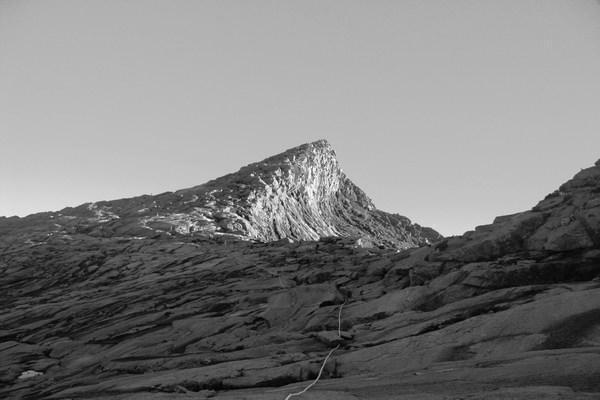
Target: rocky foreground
<point>508,311</point>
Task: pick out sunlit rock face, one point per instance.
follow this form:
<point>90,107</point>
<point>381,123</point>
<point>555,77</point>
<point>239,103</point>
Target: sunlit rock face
<point>301,194</point>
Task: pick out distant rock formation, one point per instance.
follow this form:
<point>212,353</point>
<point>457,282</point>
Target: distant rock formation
<point>301,194</point>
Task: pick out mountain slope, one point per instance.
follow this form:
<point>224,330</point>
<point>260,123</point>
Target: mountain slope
<point>510,310</point>
<point>301,194</point>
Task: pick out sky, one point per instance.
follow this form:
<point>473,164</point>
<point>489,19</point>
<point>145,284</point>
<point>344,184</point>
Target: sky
<point>448,112</point>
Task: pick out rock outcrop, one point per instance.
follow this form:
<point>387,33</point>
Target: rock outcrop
<point>301,194</point>
<point>510,310</point>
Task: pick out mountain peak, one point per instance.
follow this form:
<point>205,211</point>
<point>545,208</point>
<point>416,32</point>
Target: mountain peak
<point>320,144</point>
<point>319,147</point>
<point>316,155</point>
<point>300,194</point>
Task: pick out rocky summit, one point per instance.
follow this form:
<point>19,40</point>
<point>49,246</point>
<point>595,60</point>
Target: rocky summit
<point>301,194</point>
<point>97,305</point>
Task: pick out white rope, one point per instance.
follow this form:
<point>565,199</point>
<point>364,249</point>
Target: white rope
<point>340,320</point>
<point>313,383</point>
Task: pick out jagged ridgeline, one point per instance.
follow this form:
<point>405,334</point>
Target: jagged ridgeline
<point>300,194</point>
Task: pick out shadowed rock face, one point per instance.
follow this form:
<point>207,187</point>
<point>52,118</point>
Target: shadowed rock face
<point>301,194</point>
<point>510,310</point>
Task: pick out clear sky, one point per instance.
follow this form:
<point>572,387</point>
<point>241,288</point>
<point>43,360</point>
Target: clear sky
<point>448,112</point>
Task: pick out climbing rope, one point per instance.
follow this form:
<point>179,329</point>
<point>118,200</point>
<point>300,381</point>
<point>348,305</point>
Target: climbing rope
<point>313,383</point>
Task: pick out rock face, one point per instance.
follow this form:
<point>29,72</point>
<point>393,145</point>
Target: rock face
<point>510,310</point>
<point>301,194</point>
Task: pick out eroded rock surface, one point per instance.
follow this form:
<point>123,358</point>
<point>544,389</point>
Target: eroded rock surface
<point>301,194</point>
<point>508,311</point>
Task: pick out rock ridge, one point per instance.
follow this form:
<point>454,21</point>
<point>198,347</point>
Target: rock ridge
<point>300,194</point>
